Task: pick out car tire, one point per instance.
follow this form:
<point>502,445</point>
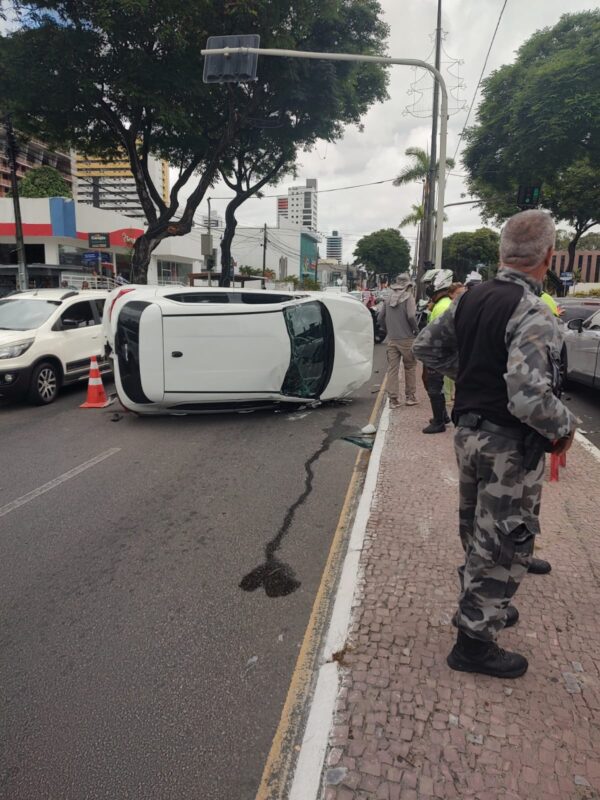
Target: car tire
<point>45,383</point>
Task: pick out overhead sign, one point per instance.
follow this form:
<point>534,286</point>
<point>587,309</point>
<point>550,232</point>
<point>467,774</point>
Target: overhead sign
<point>98,240</point>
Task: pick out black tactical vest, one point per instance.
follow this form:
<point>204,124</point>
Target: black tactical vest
<point>480,322</point>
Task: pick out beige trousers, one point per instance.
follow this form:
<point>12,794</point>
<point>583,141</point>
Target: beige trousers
<point>401,350</point>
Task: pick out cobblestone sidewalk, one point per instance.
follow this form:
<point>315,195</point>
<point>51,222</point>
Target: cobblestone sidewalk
<point>406,726</point>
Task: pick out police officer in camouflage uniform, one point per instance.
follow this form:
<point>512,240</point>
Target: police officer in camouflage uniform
<point>502,346</point>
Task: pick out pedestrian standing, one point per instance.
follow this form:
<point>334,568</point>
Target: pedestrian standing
<point>434,381</point>
<point>397,318</point>
<point>503,348</point>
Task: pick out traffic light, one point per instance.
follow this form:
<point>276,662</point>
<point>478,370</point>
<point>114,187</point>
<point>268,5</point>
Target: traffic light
<point>234,68</point>
<point>529,196</point>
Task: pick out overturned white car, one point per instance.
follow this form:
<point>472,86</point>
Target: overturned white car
<point>199,350</point>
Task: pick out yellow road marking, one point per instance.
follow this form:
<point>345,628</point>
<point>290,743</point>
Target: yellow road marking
<point>282,755</point>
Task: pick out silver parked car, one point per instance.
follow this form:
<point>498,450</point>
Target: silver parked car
<point>582,345</point>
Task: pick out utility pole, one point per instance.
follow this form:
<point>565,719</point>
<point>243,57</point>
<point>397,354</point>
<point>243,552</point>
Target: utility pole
<point>264,267</point>
<point>208,258</point>
<point>429,223</point>
<point>11,152</point>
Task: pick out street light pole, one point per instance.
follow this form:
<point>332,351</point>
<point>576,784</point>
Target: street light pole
<point>406,62</point>
<point>429,221</point>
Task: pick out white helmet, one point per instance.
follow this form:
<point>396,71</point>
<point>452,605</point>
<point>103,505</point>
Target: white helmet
<point>473,278</point>
<point>443,280</point>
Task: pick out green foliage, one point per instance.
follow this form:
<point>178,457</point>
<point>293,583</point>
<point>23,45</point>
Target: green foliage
<point>538,122</point>
<point>44,182</point>
<point>590,293</point>
<point>414,218</point>
<point>384,252</point>
<point>250,271</point>
<point>563,238</point>
<point>591,241</point>
<point>463,251</point>
<point>107,76</point>
<point>418,170</point>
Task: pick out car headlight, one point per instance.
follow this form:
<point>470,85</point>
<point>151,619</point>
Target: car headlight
<point>15,349</point>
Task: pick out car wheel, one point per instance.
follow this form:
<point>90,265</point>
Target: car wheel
<point>45,383</point>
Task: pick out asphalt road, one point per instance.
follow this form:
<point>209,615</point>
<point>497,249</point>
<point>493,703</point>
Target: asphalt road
<point>157,576</point>
<point>585,403</point>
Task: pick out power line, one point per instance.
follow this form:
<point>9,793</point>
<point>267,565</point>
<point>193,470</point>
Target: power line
<point>480,78</point>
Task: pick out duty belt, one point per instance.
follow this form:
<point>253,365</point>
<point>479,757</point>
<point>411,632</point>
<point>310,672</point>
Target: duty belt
<point>478,423</point>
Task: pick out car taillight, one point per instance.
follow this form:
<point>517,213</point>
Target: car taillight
<point>120,294</point>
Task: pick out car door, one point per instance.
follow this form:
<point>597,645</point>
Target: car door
<point>225,352</point>
<point>78,338</point>
<point>583,351</point>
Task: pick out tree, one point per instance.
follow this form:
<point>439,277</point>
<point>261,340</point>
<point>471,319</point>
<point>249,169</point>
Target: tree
<point>418,170</point>
<point>384,252</point>
<point>130,75</point>
<point>537,122</point>
<point>591,241</point>
<point>464,251</point>
<point>414,218</point>
<point>303,102</point>
<point>43,182</point>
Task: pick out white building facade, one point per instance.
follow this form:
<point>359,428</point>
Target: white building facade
<point>334,246</point>
<point>301,206</point>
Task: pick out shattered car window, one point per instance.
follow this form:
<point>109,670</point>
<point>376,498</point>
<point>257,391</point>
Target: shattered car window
<point>311,336</point>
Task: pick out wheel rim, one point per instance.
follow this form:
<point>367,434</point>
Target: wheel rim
<point>46,384</point>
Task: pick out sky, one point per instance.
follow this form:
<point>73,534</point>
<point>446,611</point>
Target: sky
<point>377,153</point>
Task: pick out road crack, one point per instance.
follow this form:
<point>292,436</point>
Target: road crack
<point>276,577</point>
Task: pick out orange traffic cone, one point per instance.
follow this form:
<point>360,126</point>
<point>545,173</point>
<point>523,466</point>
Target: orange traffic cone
<point>96,396</point>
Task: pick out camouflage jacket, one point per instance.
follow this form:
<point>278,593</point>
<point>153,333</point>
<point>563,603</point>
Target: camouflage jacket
<point>534,343</point>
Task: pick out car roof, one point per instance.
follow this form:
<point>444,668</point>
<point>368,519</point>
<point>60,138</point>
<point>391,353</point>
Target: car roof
<point>58,294</point>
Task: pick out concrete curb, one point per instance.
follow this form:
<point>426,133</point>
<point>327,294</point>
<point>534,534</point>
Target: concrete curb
<point>307,775</point>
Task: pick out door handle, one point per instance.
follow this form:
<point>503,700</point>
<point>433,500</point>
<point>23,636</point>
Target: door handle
<point>176,354</point>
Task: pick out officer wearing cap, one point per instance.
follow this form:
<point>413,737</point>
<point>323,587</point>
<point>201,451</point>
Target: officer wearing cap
<point>503,348</point>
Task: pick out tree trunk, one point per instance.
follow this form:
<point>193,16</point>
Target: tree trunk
<point>227,240</point>
<point>140,259</point>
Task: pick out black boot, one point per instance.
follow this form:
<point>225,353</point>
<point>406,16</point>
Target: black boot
<point>538,566</point>
<point>438,406</point>
<point>447,419</point>
<point>512,617</point>
<point>486,658</point>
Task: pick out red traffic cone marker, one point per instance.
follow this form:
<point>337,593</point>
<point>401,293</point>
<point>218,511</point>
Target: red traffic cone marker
<point>96,396</point>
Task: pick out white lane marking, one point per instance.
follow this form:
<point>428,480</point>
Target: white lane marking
<point>66,476</point>
<point>587,445</point>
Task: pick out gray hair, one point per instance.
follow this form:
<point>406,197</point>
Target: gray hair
<point>526,239</point>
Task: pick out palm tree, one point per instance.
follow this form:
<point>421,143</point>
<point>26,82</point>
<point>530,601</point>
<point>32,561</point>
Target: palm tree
<point>419,169</point>
<point>414,218</point>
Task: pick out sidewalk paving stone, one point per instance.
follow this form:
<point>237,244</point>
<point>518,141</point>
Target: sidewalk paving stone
<point>409,728</point>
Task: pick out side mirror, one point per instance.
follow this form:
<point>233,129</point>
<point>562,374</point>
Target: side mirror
<point>69,324</point>
<point>575,325</point>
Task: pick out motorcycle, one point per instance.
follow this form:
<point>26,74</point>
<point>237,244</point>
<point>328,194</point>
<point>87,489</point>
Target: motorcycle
<point>378,334</point>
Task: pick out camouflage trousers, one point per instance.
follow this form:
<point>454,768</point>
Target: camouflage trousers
<point>498,521</point>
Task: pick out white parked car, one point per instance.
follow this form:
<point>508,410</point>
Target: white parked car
<point>200,349</point>
<point>47,337</point>
<point>582,344</point>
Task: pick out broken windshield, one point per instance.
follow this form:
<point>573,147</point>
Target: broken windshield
<point>311,336</point>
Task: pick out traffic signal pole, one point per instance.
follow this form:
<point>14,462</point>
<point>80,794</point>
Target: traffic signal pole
<point>405,62</point>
